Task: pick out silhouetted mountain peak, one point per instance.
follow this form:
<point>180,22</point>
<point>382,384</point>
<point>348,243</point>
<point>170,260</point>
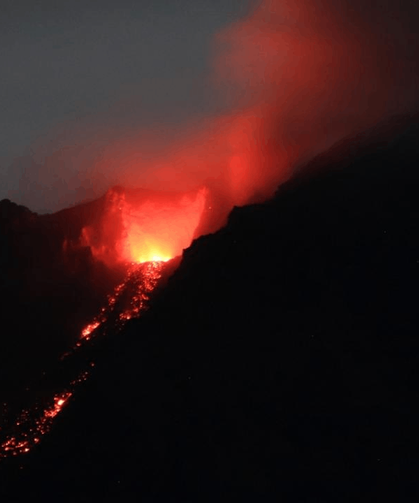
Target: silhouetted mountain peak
<point>279,359</point>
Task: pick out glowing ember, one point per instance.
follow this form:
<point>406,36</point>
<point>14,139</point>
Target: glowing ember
<point>85,334</point>
<point>59,402</point>
<point>31,425</point>
<point>128,301</point>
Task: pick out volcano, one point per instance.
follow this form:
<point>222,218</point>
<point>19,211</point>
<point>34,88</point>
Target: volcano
<point>129,234</point>
<point>274,359</point>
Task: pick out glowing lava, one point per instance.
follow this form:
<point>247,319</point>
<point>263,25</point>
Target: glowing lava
<point>142,230</point>
<point>159,230</point>
<point>88,329</point>
<point>128,301</point>
<point>33,423</point>
<point>139,226</point>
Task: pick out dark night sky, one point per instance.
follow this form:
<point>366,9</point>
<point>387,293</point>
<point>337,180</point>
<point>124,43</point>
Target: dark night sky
<point>132,63</point>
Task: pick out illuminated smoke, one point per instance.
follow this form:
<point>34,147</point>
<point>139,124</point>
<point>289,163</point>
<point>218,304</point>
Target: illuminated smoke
<point>298,76</point>
<point>139,226</point>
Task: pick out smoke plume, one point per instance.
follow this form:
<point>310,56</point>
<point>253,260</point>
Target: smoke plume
<point>297,76</point>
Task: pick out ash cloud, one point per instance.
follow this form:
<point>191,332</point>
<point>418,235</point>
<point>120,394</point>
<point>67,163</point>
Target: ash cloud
<point>295,76</point>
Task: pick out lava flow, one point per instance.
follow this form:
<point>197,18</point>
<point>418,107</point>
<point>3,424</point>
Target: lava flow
<point>128,301</point>
<point>138,230</point>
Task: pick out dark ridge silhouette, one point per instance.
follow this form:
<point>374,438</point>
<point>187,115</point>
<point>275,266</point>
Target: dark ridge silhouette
<point>50,287</point>
<point>279,363</point>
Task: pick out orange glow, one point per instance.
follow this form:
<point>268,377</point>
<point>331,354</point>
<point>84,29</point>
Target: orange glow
<point>34,422</point>
<point>139,226</point>
<point>59,402</point>
<point>85,334</point>
<point>157,231</point>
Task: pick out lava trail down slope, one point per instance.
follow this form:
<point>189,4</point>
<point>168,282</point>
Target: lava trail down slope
<point>21,432</point>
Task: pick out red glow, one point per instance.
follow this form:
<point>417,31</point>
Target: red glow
<point>295,77</point>
<point>139,226</point>
<point>299,76</point>
<point>59,402</point>
<point>156,231</point>
<point>32,423</point>
<point>85,334</point>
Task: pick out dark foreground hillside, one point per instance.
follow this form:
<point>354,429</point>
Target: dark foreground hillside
<point>49,288</point>
<point>279,364</point>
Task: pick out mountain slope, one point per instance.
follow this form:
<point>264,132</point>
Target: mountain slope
<point>280,361</point>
